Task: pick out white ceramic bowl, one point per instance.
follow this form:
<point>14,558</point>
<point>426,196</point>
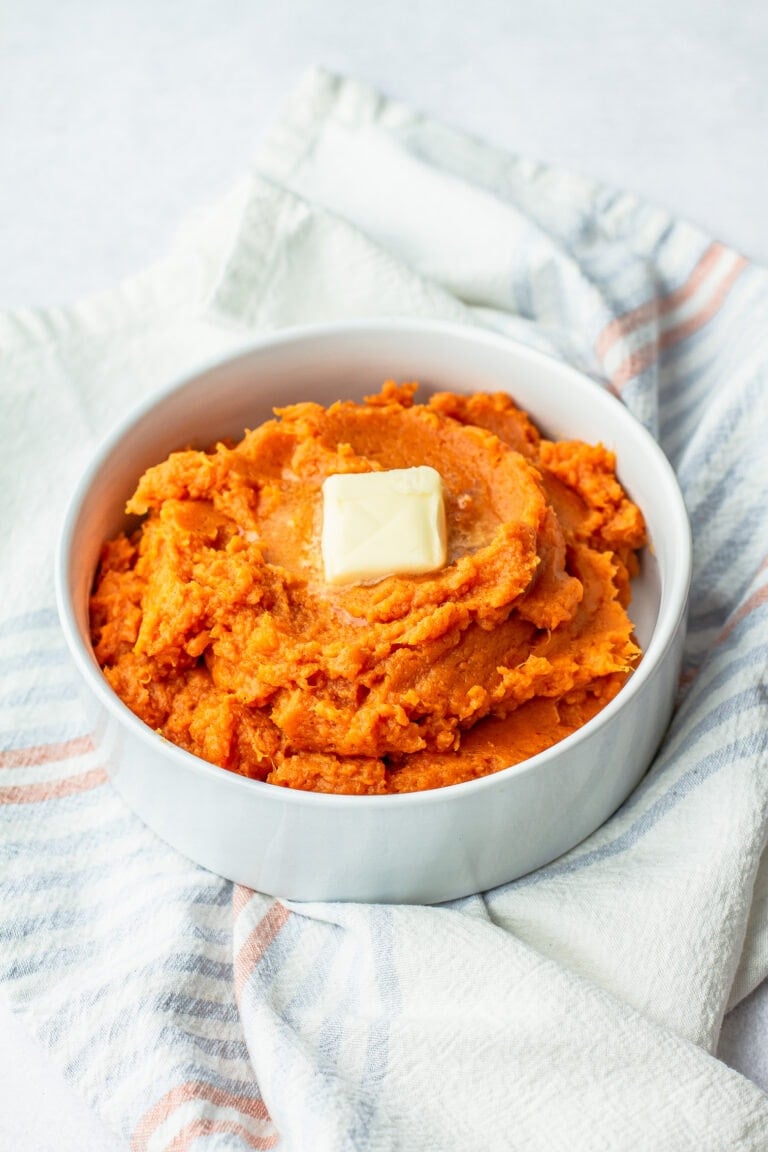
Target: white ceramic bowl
<point>419,847</point>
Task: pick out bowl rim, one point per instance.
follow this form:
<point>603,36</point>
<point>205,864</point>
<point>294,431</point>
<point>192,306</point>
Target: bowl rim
<point>662,638</point>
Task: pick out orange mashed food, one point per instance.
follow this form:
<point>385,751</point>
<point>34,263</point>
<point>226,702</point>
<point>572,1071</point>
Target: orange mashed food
<point>213,622</point>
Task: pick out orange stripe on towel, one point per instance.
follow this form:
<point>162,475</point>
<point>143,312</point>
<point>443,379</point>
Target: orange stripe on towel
<point>241,897</point>
<point>754,601</point>
<point>256,943</point>
<point>45,753</point>
<point>159,1113</point>
<point>203,1127</point>
<point>643,357</point>
<point>682,331</point>
<point>623,325</point>
<point>53,789</point>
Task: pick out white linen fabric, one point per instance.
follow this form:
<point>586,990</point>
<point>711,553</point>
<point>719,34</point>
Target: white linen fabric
<point>578,1008</point>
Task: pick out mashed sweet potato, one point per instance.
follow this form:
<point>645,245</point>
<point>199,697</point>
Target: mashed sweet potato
<point>213,623</point>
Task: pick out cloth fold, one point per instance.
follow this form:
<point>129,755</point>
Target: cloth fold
<point>577,1008</point>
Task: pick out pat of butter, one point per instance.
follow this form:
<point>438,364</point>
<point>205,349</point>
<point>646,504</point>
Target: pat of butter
<point>378,524</point>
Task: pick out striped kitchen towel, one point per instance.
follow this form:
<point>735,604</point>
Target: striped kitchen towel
<point>578,1008</point>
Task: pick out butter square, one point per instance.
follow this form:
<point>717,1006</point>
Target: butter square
<point>378,524</point>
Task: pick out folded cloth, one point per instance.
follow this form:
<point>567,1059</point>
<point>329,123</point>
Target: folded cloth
<point>578,1008</point>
